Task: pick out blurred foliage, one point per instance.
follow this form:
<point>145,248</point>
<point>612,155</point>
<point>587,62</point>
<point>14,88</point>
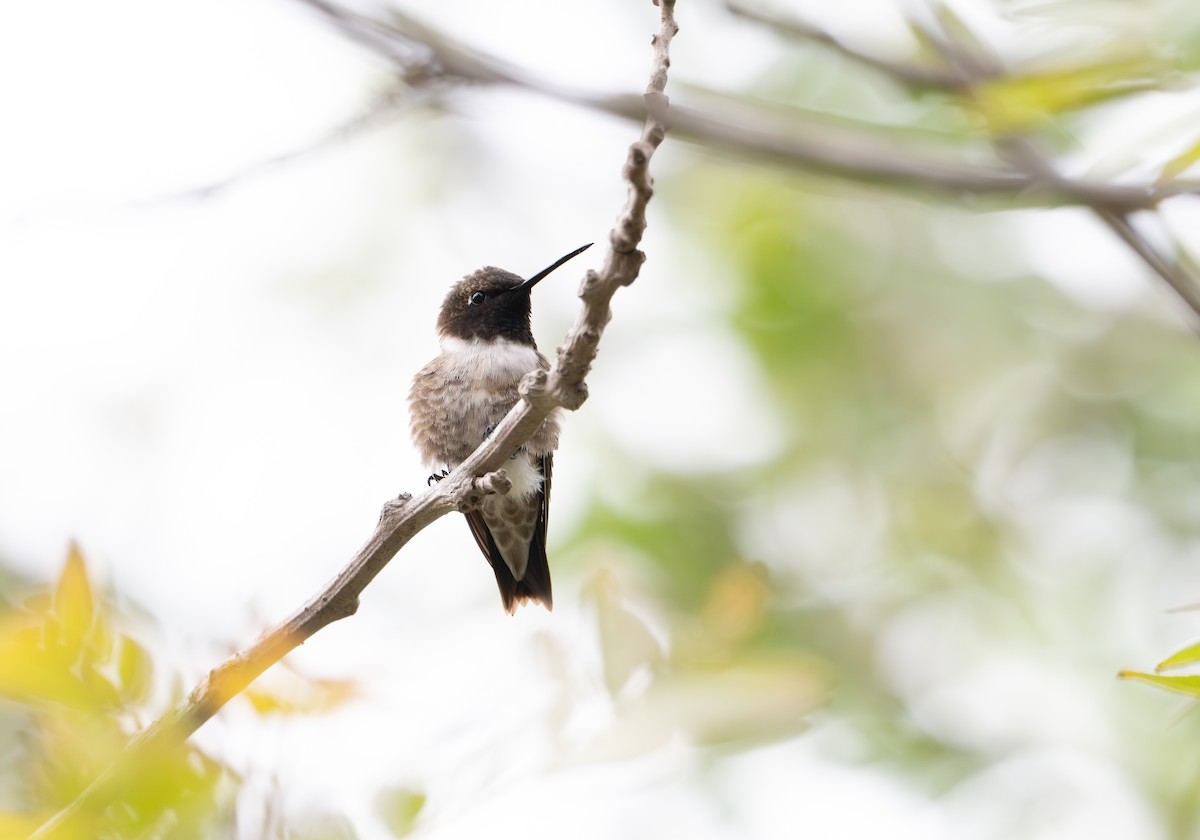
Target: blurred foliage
<point>77,686</point>
<point>399,809</point>
<point>1185,684</point>
<point>291,693</point>
<point>971,472</point>
<point>1019,103</point>
<point>979,477</point>
<point>715,687</point>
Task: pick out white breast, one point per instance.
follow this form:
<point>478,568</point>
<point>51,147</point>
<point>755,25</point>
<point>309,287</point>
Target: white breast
<point>499,360</point>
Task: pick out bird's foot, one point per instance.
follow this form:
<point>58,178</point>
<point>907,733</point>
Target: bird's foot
<point>436,477</point>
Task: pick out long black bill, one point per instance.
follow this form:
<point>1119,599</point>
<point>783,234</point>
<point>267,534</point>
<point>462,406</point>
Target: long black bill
<point>532,281</point>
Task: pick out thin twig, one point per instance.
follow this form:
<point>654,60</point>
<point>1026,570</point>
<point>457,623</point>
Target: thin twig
<point>1178,275</point>
<point>912,75</point>
<point>397,97</point>
<point>564,385</point>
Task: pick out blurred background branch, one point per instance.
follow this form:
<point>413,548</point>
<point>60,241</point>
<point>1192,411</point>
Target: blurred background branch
<point>423,54</point>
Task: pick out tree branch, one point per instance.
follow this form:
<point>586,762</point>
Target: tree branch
<point>564,385</point>
<point>418,50</point>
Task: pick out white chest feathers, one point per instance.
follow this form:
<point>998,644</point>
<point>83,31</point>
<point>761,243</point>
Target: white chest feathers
<point>498,361</point>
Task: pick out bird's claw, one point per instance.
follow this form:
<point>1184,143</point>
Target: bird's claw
<point>436,477</point>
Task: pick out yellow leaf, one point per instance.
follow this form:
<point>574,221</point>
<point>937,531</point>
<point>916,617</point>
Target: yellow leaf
<point>99,647</point>
<point>1009,104</point>
<point>73,601</point>
<point>135,669</point>
<point>25,679</point>
<point>29,671</point>
<point>1177,165</point>
<point>1189,685</point>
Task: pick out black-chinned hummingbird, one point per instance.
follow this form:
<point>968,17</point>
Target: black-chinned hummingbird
<point>456,401</point>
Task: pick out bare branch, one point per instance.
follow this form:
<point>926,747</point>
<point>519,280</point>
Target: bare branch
<point>461,490</point>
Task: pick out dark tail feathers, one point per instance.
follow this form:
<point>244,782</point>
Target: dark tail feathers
<point>534,587</point>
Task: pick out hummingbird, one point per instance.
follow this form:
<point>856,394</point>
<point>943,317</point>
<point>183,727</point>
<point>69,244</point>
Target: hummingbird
<point>457,400</point>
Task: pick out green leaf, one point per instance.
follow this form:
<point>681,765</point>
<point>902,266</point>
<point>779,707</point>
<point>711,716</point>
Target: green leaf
<point>1189,685</point>
<point>1186,656</point>
<point>399,809</point>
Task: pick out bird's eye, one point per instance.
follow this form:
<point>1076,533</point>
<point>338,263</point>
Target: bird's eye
<point>476,299</point>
